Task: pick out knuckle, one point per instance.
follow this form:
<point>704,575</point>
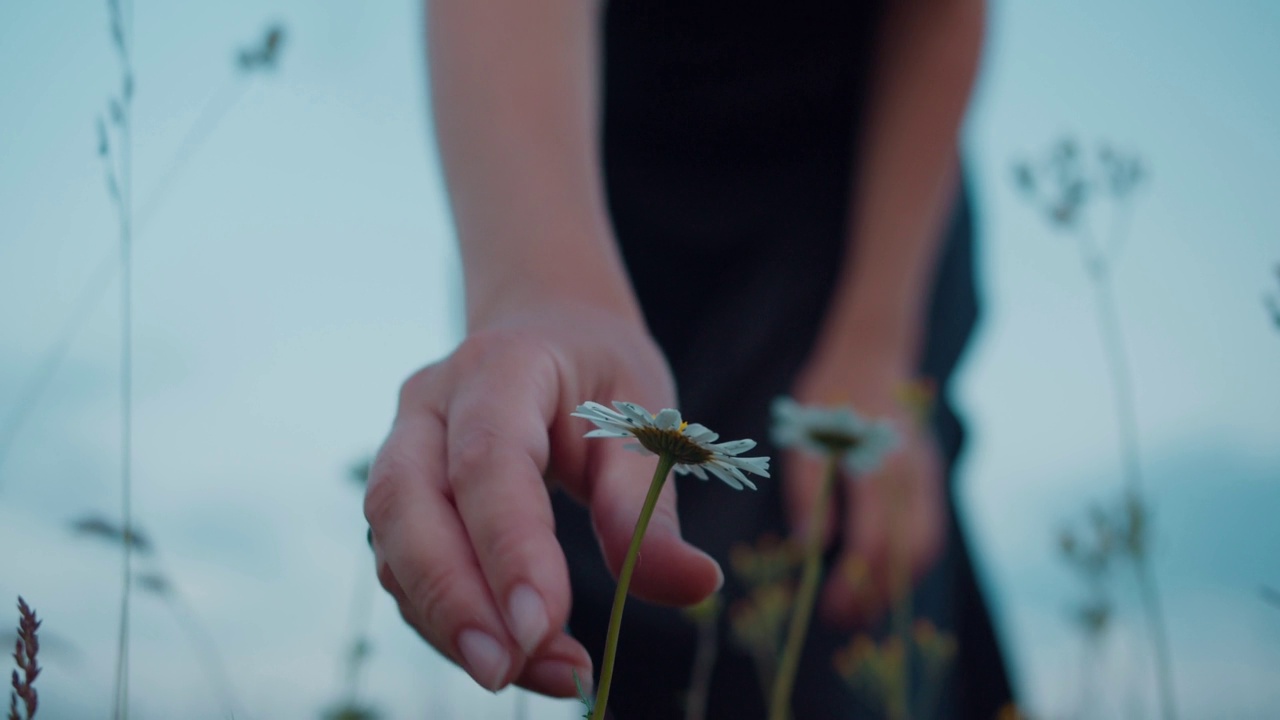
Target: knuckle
<point>481,346</point>
<point>383,490</point>
<point>485,348</point>
<point>388,580</point>
<point>471,453</point>
<point>417,388</point>
<point>427,593</point>
<point>510,545</point>
<point>410,617</point>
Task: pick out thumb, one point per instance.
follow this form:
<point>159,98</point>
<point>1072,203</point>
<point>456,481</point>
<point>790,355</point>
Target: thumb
<point>669,570</point>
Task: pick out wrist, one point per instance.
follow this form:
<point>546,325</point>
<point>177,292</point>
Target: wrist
<point>580,277</point>
<point>873,340</point>
<point>516,303</point>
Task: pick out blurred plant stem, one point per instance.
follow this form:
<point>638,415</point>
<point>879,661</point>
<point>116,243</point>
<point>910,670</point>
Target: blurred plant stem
<point>706,618</point>
<point>1137,508</point>
<point>899,707</point>
<point>261,57</point>
<point>1273,303</point>
<point>117,158</point>
<point>806,596</point>
<point>202,642</point>
<point>157,582</point>
<point>1063,187</point>
<point>359,647</point>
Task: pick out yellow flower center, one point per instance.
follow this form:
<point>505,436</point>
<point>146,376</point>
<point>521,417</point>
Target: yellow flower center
<point>834,441</point>
<point>673,443</point>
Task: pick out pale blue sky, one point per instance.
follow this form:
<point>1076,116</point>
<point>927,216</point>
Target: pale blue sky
<point>301,266</point>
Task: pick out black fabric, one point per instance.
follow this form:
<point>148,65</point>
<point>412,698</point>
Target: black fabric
<point>728,146</point>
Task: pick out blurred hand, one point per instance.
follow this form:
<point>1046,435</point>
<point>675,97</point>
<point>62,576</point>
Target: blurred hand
<point>461,515</point>
<point>907,487</point>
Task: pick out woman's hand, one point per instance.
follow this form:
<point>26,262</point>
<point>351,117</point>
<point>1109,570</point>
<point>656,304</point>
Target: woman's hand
<point>460,511</point>
<point>894,519</point>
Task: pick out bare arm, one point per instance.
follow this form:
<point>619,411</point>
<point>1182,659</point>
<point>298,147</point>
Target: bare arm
<point>871,337</point>
<point>514,91</point>
<point>924,73</point>
<point>462,522</point>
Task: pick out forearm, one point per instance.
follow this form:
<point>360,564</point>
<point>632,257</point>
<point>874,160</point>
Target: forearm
<point>906,181</point>
<point>516,111</point>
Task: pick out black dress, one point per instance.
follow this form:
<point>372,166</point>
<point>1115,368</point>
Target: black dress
<point>729,139</point>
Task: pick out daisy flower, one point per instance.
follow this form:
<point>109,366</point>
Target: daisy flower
<point>861,444</point>
<point>681,447</point>
<point>693,447</point>
<point>844,438</point>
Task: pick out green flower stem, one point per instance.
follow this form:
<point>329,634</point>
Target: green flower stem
<point>704,662</point>
<point>665,463</point>
<point>810,579</point>
<point>900,703</point>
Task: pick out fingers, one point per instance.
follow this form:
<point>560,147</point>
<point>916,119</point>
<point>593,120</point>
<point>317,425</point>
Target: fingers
<point>425,557</point>
<point>497,450</point>
<point>669,570</point>
<point>896,528</point>
<point>551,672</point>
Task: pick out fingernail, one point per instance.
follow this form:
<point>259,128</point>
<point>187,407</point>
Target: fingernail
<point>719,574</point>
<point>557,677</point>
<point>528,617</point>
<point>486,659</point>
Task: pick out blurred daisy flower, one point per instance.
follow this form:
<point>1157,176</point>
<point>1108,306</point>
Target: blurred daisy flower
<point>693,447</point>
<point>862,444</point>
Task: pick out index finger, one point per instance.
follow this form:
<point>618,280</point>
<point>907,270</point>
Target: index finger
<point>428,559</point>
<point>497,452</point>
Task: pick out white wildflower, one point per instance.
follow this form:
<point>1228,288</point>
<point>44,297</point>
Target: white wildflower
<point>861,443</point>
<point>692,446</point>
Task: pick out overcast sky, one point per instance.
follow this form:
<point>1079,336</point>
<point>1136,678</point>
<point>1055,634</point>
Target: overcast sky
<point>299,265</point>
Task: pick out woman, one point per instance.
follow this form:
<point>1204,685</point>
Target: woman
<point>745,199</point>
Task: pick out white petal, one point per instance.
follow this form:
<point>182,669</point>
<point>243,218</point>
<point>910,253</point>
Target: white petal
<point>734,447</point>
<point>700,433</point>
<point>724,475</point>
<point>591,409</point>
<point>621,424</point>
<point>757,465</point>
<point>667,419</point>
<point>784,408</point>
<point>588,407</point>
<point>743,479</point>
<point>603,433</point>
<point>634,413</point>
<point>737,475</point>
<point>697,471</point>
<point>602,416</point>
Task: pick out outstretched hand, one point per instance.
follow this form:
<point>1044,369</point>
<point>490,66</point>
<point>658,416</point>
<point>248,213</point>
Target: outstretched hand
<point>458,497</point>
